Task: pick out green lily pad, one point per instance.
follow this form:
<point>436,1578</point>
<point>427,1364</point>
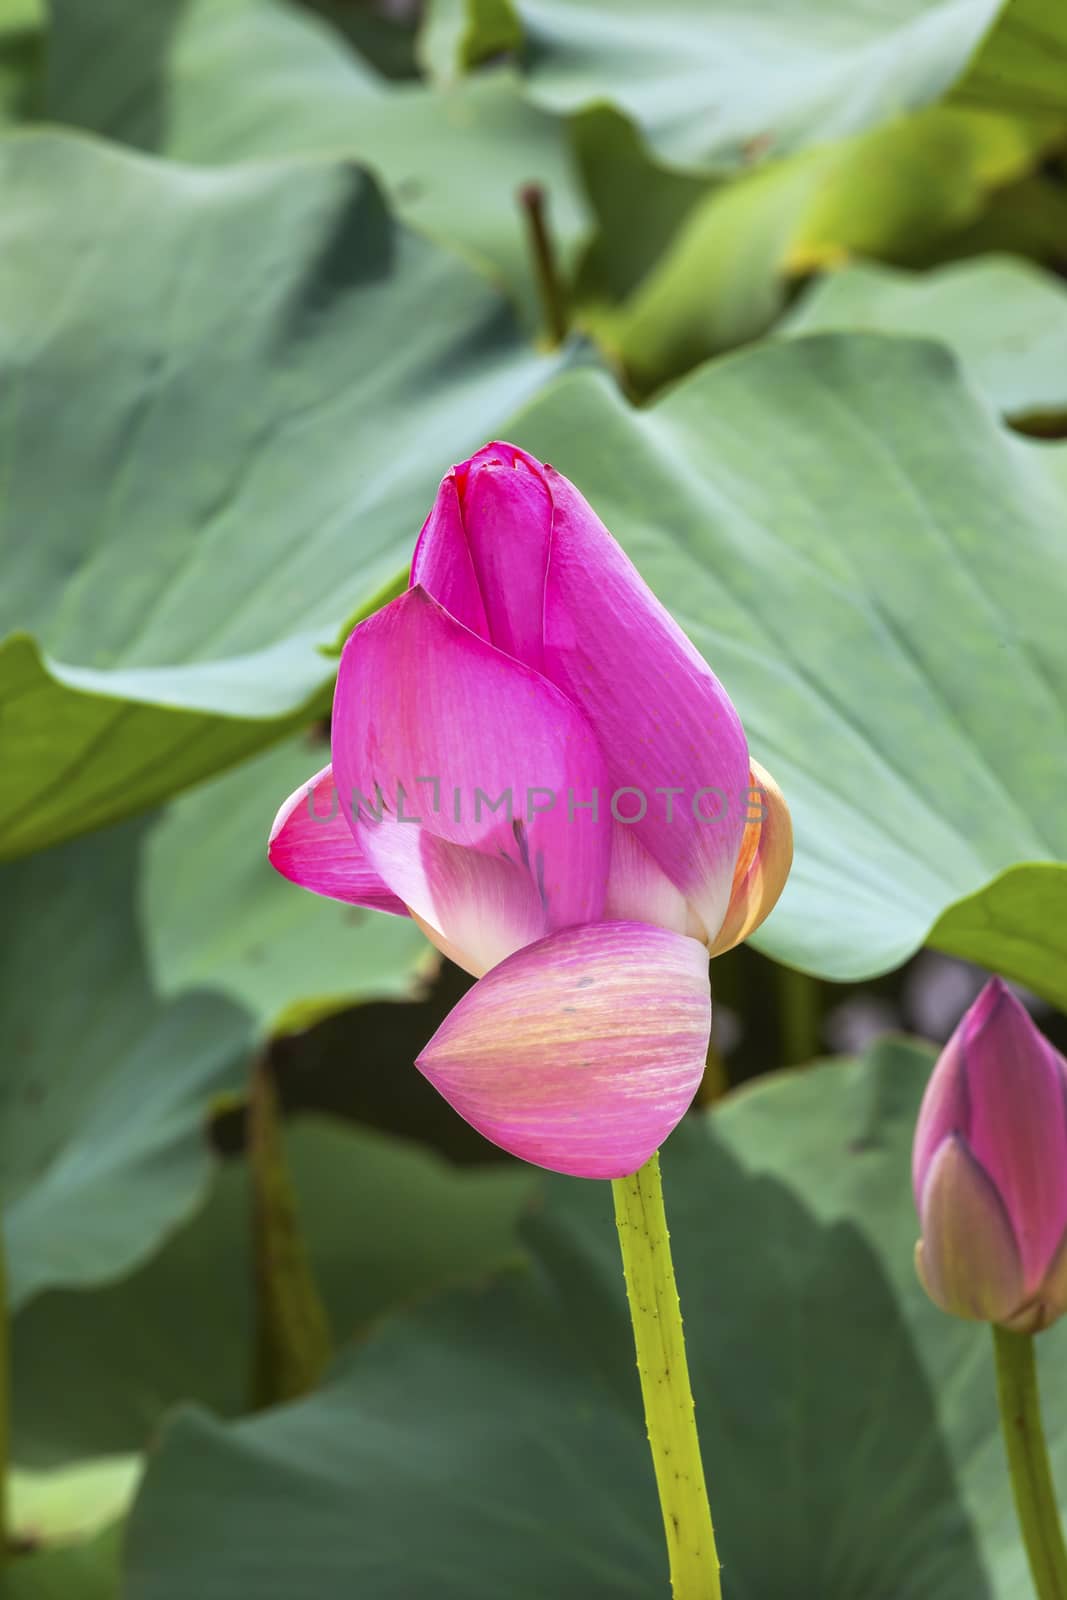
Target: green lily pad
<point>1026,218</point>
<point>871,201</point>
<point>827,519</point>
<point>721,85</point>
<point>89,1570</point>
<point>832,1398</point>
<point>721,276</point>
<point>220,81</point>
<point>457,34</point>
<point>1019,65</point>
<point>623,181</point>
<point>1006,319</point>
<point>224,431</point>
<point>384,36</point>
<point>1014,926</point>
<point>68,1505</point>
<point>385,1223</point>
<point>98,54</point>
<point>712,261</point>
<point>216,915</point>
<point>104,1087</point>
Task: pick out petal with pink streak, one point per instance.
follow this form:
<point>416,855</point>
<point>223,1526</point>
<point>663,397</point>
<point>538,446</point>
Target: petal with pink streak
<point>663,719</point>
<point>312,844</point>
<point>967,1258</point>
<point>1016,1086</point>
<point>441,728</point>
<point>580,1053</point>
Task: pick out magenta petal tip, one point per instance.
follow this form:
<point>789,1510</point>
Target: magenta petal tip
<point>312,845</point>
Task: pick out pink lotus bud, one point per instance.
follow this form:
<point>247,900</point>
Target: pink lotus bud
<point>989,1168</point>
<point>533,761</point>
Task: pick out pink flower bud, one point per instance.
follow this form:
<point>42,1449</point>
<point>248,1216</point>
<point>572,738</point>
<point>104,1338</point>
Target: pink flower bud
<point>989,1169</point>
<point>488,725</point>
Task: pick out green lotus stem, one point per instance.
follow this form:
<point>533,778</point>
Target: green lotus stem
<point>799,1012</point>
<point>668,1398</point>
<point>1031,1476</point>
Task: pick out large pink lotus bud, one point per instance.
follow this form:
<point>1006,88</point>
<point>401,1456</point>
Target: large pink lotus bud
<point>533,761</point>
<point>990,1170</point>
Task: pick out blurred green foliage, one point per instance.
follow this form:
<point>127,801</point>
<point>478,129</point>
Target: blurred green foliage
<point>506,1420</point>
<point>264,275</point>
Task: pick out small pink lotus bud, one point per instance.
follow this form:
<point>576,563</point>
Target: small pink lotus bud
<point>989,1168</point>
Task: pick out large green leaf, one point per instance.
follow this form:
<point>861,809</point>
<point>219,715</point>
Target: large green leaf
<point>219,436</point>
<point>1007,321</point>
<point>836,1405</point>
<point>65,1531</point>
<point>64,1505</point>
<point>1026,218</point>
<point>723,84</point>
<point>102,53</point>
<point>89,1571</point>
<point>720,277</point>
<point>1019,65</point>
<point>1016,926</point>
<point>218,81</point>
<point>384,35</point>
<point>385,1223</point>
<point>624,182</point>
<point>457,34</point>
<point>877,571</point>
<point>104,1088</point>
<point>216,915</point>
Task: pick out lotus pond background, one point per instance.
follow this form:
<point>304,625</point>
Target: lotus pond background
<point>279,1323</point>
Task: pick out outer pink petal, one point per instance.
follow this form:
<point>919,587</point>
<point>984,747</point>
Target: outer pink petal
<point>495,540</point>
<point>1017,1121</point>
<point>662,717</point>
<point>312,844</point>
<point>582,1052</point>
<point>475,908</point>
<point>967,1258</point>
<point>1050,1302</point>
<point>942,1114</point>
<point>420,697</point>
